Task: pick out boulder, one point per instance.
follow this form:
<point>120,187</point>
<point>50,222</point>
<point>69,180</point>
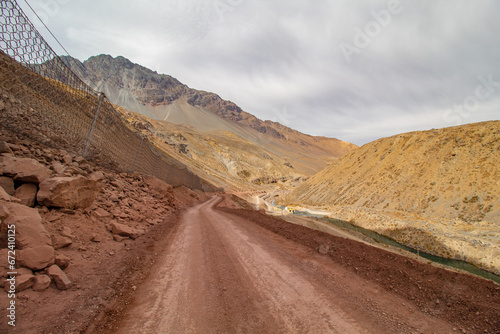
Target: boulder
<point>41,282</point>
<point>27,194</point>
<point>68,192</point>
<point>62,281</point>
<point>7,184</point>
<point>29,229</point>
<point>62,261</point>
<point>23,169</point>
<point>36,258</point>
<point>161,188</point>
<point>124,230</point>
<point>59,241</point>
<point>97,176</point>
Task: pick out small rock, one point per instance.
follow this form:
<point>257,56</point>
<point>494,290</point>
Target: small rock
<point>323,249</point>
<point>58,168</point>
<point>14,147</point>
<point>62,261</point>
<point>79,159</point>
<point>62,281</point>
<point>23,282</point>
<point>114,198</point>
<point>41,282</point>
<point>124,230</point>
<point>97,176</point>
<point>100,213</point>
<point>118,184</point>
<point>67,232</point>
<point>59,241</point>
<point>119,238</point>
<point>97,238</point>
<point>67,159</point>
<point>4,147</point>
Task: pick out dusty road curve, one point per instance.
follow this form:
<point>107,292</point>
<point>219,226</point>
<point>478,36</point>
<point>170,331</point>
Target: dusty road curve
<point>223,274</point>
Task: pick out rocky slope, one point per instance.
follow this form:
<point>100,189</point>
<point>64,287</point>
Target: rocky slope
<point>81,232</point>
<point>162,97</point>
<point>225,159</point>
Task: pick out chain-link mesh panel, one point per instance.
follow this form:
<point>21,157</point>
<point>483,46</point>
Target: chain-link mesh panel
<point>42,99</point>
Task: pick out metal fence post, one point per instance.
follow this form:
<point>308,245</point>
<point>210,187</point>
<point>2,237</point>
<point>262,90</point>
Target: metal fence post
<point>92,127</point>
<point>137,154</point>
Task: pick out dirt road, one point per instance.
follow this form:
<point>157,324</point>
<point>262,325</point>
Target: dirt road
<point>225,274</point>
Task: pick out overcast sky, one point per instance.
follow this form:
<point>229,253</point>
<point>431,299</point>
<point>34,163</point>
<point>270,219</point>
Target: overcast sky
<point>354,70</point>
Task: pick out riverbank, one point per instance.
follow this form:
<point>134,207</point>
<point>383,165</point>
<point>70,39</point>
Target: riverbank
<point>476,243</point>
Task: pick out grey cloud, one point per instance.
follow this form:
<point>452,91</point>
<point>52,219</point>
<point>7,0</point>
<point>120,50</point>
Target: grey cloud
<point>275,55</point>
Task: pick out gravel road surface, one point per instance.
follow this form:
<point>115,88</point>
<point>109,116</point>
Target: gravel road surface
<point>225,274</point>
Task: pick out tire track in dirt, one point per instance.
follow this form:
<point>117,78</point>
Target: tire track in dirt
<point>225,274</point>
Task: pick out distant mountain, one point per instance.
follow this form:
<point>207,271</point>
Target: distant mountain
<point>452,172</point>
<point>163,98</point>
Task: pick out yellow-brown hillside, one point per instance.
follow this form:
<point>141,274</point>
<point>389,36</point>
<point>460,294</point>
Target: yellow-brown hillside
<point>452,173</point>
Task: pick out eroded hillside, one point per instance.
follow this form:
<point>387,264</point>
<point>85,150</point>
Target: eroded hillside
<point>436,191</point>
<point>222,157</point>
<point>452,172</point>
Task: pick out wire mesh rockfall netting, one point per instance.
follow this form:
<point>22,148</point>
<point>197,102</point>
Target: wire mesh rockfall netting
<point>42,99</point>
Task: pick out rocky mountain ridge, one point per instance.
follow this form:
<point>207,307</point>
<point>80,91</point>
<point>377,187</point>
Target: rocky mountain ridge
<point>162,97</point>
<point>149,87</point>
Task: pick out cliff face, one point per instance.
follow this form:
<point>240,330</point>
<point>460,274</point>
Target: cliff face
<point>452,172</point>
<point>162,97</point>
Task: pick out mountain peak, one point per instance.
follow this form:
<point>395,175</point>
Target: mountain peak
<point>162,97</point>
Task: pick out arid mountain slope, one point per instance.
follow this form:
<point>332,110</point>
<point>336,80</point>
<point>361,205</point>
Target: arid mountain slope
<point>162,97</point>
<point>452,173</point>
<point>226,159</point>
